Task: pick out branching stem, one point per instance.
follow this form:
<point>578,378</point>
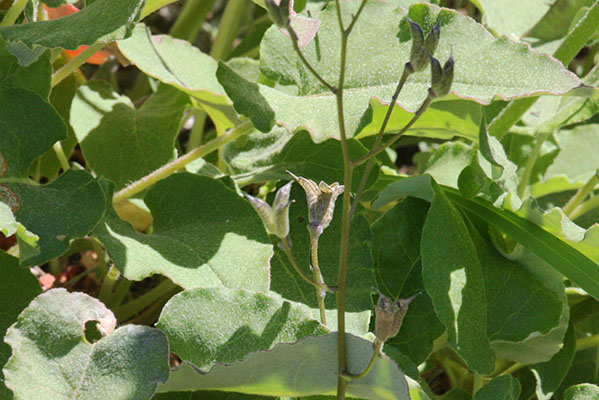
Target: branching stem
<point>301,272</point>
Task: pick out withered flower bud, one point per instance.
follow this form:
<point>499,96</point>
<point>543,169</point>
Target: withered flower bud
<point>421,47</point>
<point>276,218</point>
<point>441,78</point>
<point>389,316</point>
<point>278,11</point>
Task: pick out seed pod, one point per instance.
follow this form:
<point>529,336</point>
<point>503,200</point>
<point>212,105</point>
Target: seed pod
<point>389,316</point>
<point>421,47</point>
<point>278,11</point>
<point>441,78</point>
<point>276,221</point>
<point>433,38</point>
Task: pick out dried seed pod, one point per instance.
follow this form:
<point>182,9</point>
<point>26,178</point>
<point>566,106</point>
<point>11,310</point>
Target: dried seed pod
<point>421,47</point>
<point>278,11</point>
<point>389,316</point>
<point>276,218</point>
<point>441,78</point>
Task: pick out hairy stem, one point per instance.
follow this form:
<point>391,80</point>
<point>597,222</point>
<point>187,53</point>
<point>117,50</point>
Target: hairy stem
<point>75,63</point>
<point>181,162</point>
<point>301,272</point>
<point>375,355</point>
<point>379,139</point>
<point>13,12</point>
<point>320,293</point>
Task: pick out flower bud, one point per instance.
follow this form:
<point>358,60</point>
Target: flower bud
<point>421,47</point>
<point>278,11</point>
<point>276,218</point>
<point>389,316</point>
<point>441,78</point>
<point>321,202</point>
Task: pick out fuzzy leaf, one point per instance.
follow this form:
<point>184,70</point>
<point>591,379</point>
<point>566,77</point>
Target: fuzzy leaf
<point>52,357</point>
<point>512,17</point>
<point>35,76</point>
<point>502,388</point>
<point>585,391</point>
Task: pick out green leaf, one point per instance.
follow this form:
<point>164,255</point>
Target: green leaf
<point>512,17</point>
<point>360,276</point>
<point>305,368</point>
<point>453,278</point>
<point>64,209</point>
<point>102,21</point>
<point>35,76</point>
<point>204,235</point>
<point>558,19</point>
<point>231,324</point>
<point>550,235</point>
<point>505,73</point>
<point>120,142</point>
<point>268,156</point>
<point>18,287</point>
<point>22,138</point>
<point>53,358</point>
<point>585,391</point>
<point>251,103</point>
<point>502,388</point>
<point>178,63</point>
<point>396,251</point>
<point>550,374</point>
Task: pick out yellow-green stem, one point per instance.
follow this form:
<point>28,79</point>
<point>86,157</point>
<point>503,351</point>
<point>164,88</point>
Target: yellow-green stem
<point>320,293</point>
<point>585,207</point>
<point>587,342</point>
<point>62,158</point>
<point>135,306</point>
<point>375,355</point>
<point>181,162</point>
<point>75,63</point>
<point>197,131</point>
<point>530,163</point>
<point>108,284</point>
<point>189,22</point>
<point>301,272</point>
<point>13,12</point>
<point>581,194</point>
<point>227,30</point>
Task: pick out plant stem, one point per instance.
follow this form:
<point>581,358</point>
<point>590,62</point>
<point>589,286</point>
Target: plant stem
<point>181,162</point>
<point>135,306</point>
<point>119,294</point>
<point>374,152</point>
<point>378,140</point>
<point>301,272</point>
<point>375,355</point>
<point>75,63</point>
<point>13,12</point>
<point>294,41</point>
<point>530,163</point>
<point>581,194</point>
<point>62,158</point>
<point>197,131</point>
<point>227,30</point>
<point>585,207</point>
<point>587,342</point>
<point>320,293</point>
<point>513,368</point>
<point>189,22</point>
<point>108,284</point>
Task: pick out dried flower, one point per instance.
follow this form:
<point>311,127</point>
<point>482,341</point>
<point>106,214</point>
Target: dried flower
<point>321,202</point>
<point>422,47</point>
<point>275,218</point>
<point>441,78</point>
<point>389,316</point>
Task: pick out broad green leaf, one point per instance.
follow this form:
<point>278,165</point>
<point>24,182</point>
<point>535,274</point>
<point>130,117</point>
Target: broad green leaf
<point>22,138</point>
<point>268,156</point>
<point>558,19</point>
<point>8,224</point>
<point>64,209</point>
<point>18,287</point>
<point>512,17</point>
<point>52,358</point>
<point>502,388</point>
<point>582,370</point>
<point>229,324</point>
<point>453,278</point>
<point>305,368</point>
<point>102,21</point>
<point>360,276</point>
<point>585,391</point>
<point>550,235</point>
<point>396,251</point>
<point>204,235</point>
<point>486,67</point>
<point>178,63</point>
<point>550,374</point>
<point>123,143</point>
<point>35,76</point>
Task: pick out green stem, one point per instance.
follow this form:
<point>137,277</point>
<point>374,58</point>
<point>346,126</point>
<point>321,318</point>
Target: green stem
<point>75,63</point>
<point>150,314</point>
<point>108,284</point>
<point>62,158</point>
<point>181,162</point>
<point>320,293</point>
<point>513,368</point>
<point>197,131</point>
<point>581,194</point>
<point>119,294</point>
<point>72,282</point>
<point>13,12</point>
<point>227,30</point>
<point>379,139</point>
<point>54,267</point>
<point>585,207</point>
<point>530,163</point>
<point>189,22</point>
<point>576,40</point>
<point>301,272</point>
<point>374,152</point>
<point>375,355</point>
<point>587,342</point>
<point>142,302</point>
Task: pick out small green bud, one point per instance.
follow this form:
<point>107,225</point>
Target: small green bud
<point>321,202</point>
<point>441,78</point>
<point>389,316</point>
<point>433,38</point>
<point>421,47</point>
<point>278,11</point>
<point>276,218</point>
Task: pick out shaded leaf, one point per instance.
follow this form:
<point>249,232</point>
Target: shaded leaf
<point>585,391</point>
<point>229,324</point>
<point>35,76</point>
<point>52,358</point>
<point>512,17</point>
<point>123,143</point>
<point>558,19</point>
<point>502,388</point>
<point>204,235</point>
<point>305,368</point>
